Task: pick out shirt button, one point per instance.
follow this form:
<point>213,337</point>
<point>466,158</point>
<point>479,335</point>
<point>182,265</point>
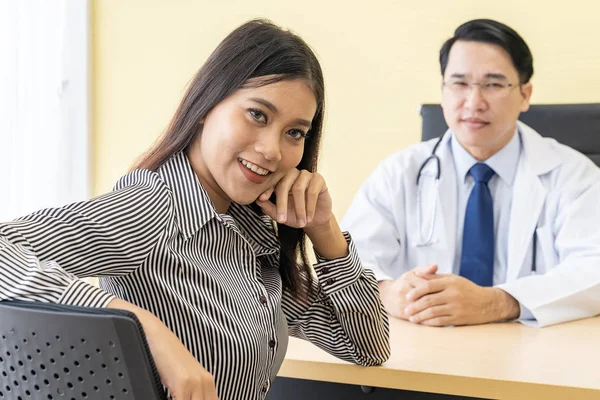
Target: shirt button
<point>262,299</point>
<point>330,281</point>
<point>271,343</point>
<point>325,270</point>
<point>265,387</point>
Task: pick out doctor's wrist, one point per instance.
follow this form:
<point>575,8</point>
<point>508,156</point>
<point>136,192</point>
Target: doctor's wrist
<point>508,308</point>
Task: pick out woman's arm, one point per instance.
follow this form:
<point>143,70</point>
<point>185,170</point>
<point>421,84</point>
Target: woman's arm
<point>43,254</point>
<point>328,240</point>
<point>179,370</point>
<point>344,315</point>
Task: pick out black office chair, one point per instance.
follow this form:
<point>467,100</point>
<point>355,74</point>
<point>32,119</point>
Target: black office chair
<point>56,352</point>
<point>575,125</point>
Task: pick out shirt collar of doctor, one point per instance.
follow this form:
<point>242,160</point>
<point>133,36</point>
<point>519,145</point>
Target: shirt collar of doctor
<point>504,162</point>
<point>194,208</point>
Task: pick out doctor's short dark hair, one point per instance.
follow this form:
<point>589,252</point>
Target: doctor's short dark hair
<point>493,32</point>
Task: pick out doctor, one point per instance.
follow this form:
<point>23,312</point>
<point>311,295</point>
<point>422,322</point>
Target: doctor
<point>491,222</point>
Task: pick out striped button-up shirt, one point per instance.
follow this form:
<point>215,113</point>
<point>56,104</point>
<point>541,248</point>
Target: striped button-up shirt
<point>213,279</point>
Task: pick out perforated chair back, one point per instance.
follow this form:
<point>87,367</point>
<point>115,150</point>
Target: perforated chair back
<point>575,125</point>
<point>56,352</point>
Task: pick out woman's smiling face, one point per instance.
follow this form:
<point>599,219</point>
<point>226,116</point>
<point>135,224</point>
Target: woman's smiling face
<point>251,139</point>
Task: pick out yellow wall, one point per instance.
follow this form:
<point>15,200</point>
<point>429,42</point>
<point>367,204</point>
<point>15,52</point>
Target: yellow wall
<point>379,59</point>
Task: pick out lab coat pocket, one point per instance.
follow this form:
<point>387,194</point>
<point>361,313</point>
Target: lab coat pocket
<point>545,248</point>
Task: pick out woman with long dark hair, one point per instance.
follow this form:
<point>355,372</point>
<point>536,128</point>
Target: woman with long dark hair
<point>204,240</point>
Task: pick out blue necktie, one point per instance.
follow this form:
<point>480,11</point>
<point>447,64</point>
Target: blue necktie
<point>477,258</point>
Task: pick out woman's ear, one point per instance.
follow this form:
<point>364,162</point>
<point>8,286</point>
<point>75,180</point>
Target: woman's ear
<point>200,127</point>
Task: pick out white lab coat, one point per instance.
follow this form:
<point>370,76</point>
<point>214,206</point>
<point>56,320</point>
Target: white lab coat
<point>556,189</point>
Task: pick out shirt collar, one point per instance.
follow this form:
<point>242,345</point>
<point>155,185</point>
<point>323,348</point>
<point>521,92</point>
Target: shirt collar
<point>194,208</point>
<point>504,162</point>
<point>257,229</point>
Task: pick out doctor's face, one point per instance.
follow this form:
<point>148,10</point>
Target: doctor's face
<point>482,97</point>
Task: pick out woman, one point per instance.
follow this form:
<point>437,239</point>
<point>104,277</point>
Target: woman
<point>202,239</point>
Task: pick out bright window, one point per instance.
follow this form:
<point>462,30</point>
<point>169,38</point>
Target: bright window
<point>44,104</point>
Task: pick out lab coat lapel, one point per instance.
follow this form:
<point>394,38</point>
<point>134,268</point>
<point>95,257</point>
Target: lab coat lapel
<point>527,201</point>
<point>446,204</point>
<point>529,196</point>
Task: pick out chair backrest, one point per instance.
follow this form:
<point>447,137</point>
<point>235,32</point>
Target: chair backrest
<point>49,351</point>
<point>575,125</point>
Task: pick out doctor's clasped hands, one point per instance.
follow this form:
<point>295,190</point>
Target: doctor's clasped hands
<point>421,296</point>
<point>448,299</point>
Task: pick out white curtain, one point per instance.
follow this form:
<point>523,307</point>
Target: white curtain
<point>44,104</point>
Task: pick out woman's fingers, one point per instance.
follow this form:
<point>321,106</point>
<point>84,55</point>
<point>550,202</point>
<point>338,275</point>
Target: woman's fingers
<point>315,187</point>
<point>297,198</point>
<point>266,195</point>
<point>299,195</point>
<point>282,191</point>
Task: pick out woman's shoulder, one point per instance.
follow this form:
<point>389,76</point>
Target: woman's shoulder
<point>141,179</point>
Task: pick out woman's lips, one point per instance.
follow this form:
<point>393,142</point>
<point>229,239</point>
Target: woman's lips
<point>252,176</point>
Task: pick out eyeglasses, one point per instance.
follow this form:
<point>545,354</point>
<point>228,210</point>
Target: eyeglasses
<point>490,88</point>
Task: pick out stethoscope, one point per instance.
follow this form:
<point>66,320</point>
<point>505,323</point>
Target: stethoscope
<point>428,239</point>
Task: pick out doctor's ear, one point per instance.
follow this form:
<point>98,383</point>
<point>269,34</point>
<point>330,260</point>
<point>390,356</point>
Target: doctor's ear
<point>442,92</point>
<point>526,91</point>
<point>442,86</point>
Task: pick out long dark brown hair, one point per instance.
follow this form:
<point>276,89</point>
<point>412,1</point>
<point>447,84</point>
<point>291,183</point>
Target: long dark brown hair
<point>257,48</point>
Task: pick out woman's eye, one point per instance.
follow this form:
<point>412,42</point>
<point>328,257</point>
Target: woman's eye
<point>258,115</point>
<point>296,134</point>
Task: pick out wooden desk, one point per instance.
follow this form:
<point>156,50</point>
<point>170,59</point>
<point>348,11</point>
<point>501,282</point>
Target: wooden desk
<point>499,361</point>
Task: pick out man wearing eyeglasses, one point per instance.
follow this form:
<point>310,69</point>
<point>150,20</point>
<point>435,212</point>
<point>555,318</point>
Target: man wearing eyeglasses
<point>491,222</point>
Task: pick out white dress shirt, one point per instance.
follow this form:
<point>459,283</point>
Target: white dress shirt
<point>504,163</point>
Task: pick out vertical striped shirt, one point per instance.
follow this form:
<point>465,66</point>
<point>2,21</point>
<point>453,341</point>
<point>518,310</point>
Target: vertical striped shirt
<point>157,241</point>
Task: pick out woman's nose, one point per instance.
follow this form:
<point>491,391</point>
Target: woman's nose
<point>268,144</point>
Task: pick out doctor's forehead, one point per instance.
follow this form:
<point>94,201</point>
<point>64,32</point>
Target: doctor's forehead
<point>478,59</point>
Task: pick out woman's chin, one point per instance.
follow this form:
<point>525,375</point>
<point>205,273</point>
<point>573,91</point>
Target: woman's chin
<point>244,199</point>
